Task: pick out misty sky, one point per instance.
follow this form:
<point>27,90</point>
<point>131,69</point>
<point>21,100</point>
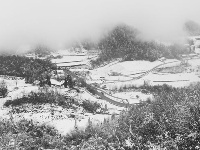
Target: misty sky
<point>58,22</point>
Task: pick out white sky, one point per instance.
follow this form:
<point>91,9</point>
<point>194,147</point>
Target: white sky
<point>57,22</point>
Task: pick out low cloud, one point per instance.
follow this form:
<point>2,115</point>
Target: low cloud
<point>25,23</point>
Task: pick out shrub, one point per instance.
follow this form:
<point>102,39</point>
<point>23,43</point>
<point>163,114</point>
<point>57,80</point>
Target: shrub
<point>3,89</point>
<point>90,89</point>
<point>90,106</point>
<point>28,135</point>
<point>169,121</point>
<point>40,98</point>
<point>31,69</point>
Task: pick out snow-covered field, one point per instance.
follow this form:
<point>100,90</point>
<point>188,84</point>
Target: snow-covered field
<point>176,80</point>
<point>136,73</point>
<point>69,59</point>
<point>60,120</point>
<point>194,62</point>
<point>134,97</point>
<point>124,68</point>
<point>64,52</point>
<point>18,88</point>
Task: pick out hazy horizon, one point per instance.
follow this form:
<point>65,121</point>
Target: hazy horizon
<point>25,23</point>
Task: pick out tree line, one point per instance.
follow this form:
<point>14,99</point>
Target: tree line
<point>123,42</point>
<point>29,68</point>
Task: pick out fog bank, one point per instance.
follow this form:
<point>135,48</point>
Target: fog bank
<point>25,23</point>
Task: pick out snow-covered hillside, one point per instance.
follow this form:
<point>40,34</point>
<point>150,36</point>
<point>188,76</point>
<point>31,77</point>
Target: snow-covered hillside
<point>113,76</point>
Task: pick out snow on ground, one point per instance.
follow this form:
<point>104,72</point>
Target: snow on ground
<point>123,72</point>
<point>61,52</point>
<point>21,91</point>
<point>111,108</point>
<point>133,97</point>
<point>85,70</point>
<point>170,63</point>
<point>13,83</point>
<point>55,82</point>
<point>69,59</point>
<point>194,62</point>
<point>176,80</point>
<point>68,52</point>
<point>118,78</point>
<point>132,67</point>
<point>172,77</point>
<point>72,64</point>
<point>14,91</point>
<point>18,88</point>
<point>67,125</point>
<point>60,119</point>
<point>125,68</point>
<point>117,85</point>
